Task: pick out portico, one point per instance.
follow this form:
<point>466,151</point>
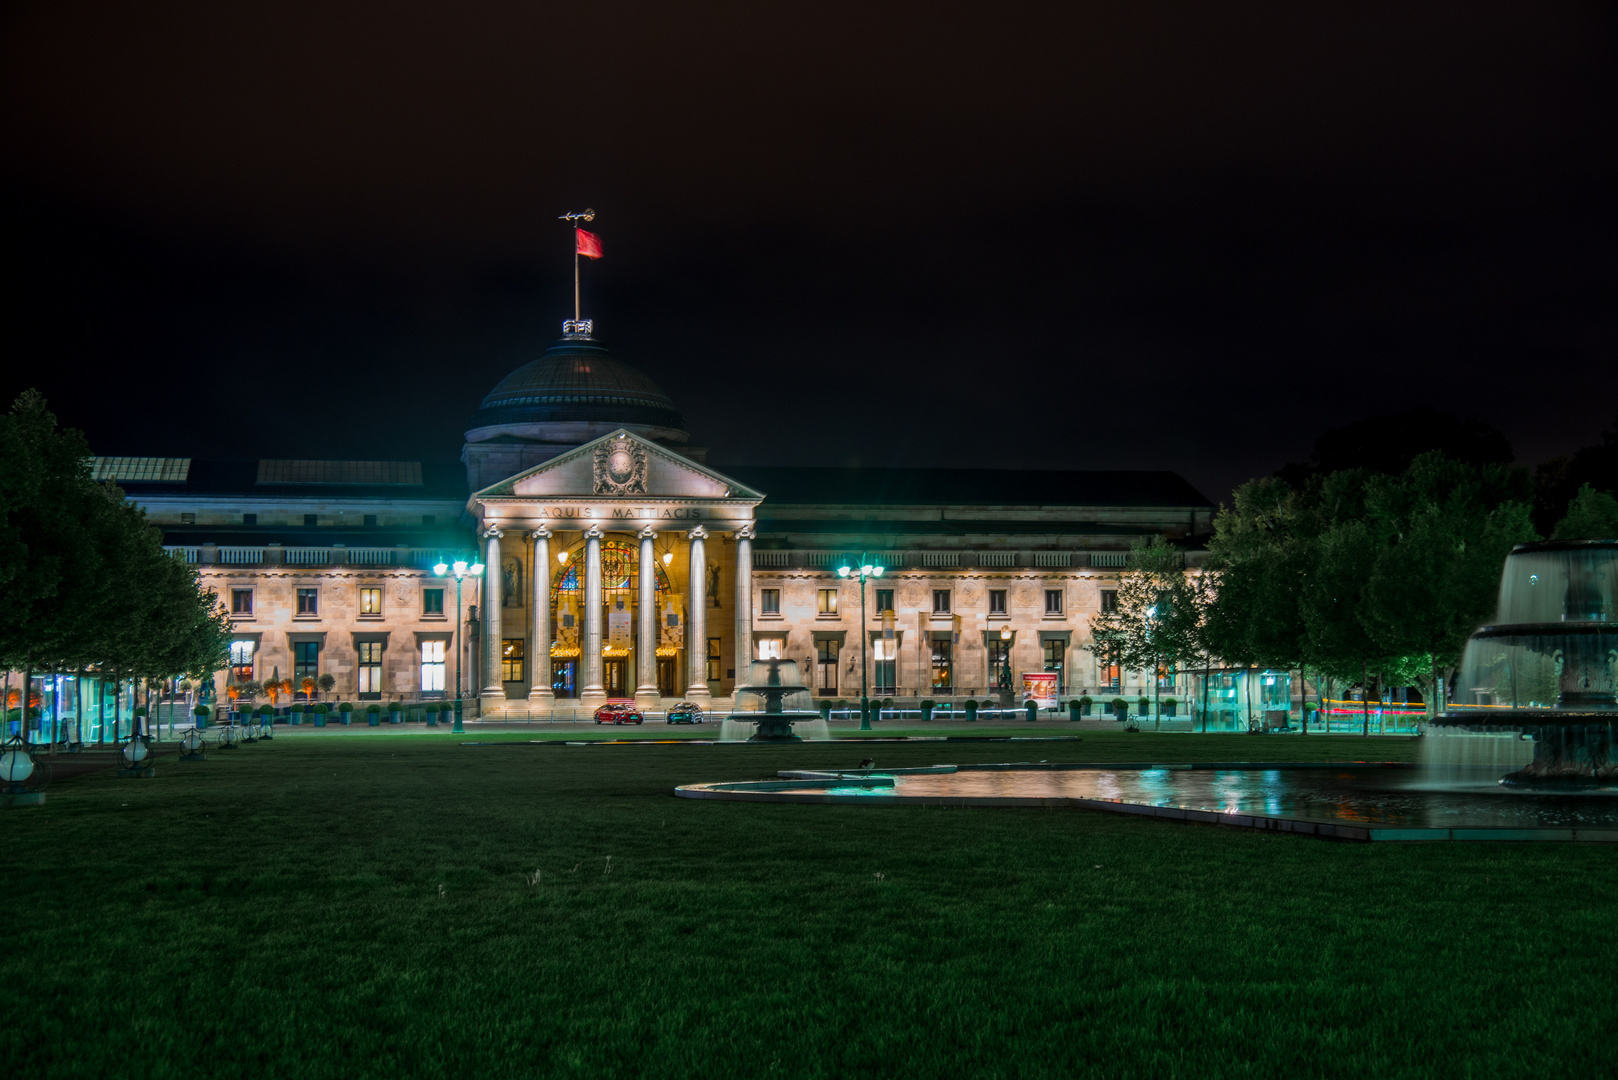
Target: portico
<point>611,611</point>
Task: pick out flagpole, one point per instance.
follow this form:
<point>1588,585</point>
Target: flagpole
<point>573,220</point>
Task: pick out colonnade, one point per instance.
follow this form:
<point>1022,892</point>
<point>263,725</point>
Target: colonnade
<point>541,697</point>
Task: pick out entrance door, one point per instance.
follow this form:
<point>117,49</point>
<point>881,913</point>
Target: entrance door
<point>615,676</point>
<point>563,674</point>
<point>668,675</point>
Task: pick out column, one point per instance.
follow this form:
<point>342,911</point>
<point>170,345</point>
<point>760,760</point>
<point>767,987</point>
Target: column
<point>696,629</point>
<point>593,693</point>
<point>646,696</point>
<point>541,698</point>
<point>494,690</point>
<point>744,601</point>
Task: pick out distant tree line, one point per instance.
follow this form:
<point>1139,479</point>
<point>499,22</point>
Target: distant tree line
<point>1376,560</point>
<point>87,582</point>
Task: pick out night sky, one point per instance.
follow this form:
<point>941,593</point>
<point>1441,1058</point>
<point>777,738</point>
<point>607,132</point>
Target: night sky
<point>1184,236</point>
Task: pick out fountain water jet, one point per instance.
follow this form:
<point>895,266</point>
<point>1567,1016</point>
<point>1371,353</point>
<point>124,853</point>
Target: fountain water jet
<point>1544,669</point>
<point>774,701</point>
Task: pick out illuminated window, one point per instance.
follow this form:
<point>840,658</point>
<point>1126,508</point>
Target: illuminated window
<point>826,663</point>
<point>1053,601</point>
<point>370,669</point>
<point>371,600</point>
<point>997,601</point>
<point>241,601</point>
<point>941,665</point>
<point>511,658</point>
<point>432,601</point>
<point>769,601</point>
<point>828,602</point>
<point>999,663</point>
<point>188,519</point>
<point>308,601</point>
<point>241,660</point>
<point>713,660</point>
<point>432,665</point>
<point>940,601</point>
<point>1055,651</point>
<point>1109,601</point>
<point>885,665</point>
<point>769,648</point>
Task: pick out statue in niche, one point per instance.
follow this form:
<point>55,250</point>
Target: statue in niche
<point>713,583</point>
<point>511,583</point>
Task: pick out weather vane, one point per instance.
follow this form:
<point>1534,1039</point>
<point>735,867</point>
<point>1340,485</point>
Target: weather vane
<point>588,245</point>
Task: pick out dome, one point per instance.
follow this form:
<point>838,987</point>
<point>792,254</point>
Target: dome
<point>578,381</point>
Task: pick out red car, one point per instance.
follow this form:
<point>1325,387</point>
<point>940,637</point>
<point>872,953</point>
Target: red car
<point>619,712</point>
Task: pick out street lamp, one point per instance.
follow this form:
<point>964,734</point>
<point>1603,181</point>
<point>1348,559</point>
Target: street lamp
<point>460,568</point>
<point>1005,666</point>
<point>865,569</point>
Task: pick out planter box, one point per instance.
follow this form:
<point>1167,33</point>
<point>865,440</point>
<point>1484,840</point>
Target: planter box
<point>1168,709</point>
<point>373,719</point>
<point>393,716</point>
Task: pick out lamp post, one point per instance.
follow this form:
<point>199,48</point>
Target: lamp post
<point>460,568</point>
<point>865,569</point>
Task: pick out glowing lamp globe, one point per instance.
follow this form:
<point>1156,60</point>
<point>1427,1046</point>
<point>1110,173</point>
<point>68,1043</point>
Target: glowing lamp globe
<point>441,569</point>
<point>16,766</point>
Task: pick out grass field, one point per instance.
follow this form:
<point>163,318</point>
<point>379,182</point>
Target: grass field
<point>408,906</point>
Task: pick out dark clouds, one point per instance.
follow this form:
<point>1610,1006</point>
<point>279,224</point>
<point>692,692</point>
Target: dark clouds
<point>1185,236</point>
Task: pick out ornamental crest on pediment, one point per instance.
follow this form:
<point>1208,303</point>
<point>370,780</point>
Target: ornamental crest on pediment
<point>620,468</point>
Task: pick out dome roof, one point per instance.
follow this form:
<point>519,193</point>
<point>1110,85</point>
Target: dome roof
<point>578,380</point>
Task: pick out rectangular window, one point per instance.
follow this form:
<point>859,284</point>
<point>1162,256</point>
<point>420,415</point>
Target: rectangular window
<point>371,600</point>
<point>305,662</point>
<point>997,601</point>
<point>311,519</point>
<point>308,601</point>
<point>1053,601</point>
<point>885,668</point>
<point>1055,652</point>
<point>769,648</point>
<point>370,670</point>
<point>941,666</point>
<point>241,601</point>
<point>769,601</point>
<point>432,665</point>
<point>828,602</point>
<point>511,658</point>
<point>241,660</point>
<point>826,666</point>
<point>370,519</point>
<point>188,519</point>
<point>884,600</point>
<point>249,519</point>
<point>1109,676</point>
<point>999,663</point>
<point>940,601</point>
<point>713,660</point>
<point>1109,601</point>
<point>432,601</point>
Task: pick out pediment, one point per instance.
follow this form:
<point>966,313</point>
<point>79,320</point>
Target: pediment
<point>620,464</point>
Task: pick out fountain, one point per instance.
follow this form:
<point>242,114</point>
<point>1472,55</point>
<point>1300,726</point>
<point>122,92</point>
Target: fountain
<point>1542,672</point>
<point>774,700</point>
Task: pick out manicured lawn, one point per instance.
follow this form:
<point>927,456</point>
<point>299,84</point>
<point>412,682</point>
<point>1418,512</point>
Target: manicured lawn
<point>369,906</point>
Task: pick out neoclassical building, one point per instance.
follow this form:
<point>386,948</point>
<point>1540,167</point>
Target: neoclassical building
<point>619,563</point>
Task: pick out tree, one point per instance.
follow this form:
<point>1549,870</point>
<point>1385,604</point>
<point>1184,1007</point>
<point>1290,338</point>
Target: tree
<point>1592,515</point>
<point>1447,528</point>
<point>1148,627</point>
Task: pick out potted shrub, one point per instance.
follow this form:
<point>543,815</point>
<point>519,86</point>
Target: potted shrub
<point>1169,705</point>
<point>139,714</point>
<point>201,715</point>
<point>373,714</point>
<point>1145,704</point>
<point>1031,707</point>
<point>1086,702</point>
<point>320,714</point>
<point>295,714</point>
<point>345,712</point>
<point>1073,710</point>
<point>266,717</point>
<point>971,711</point>
<point>395,712</point>
<point>825,710</point>
<point>927,705</point>
<point>432,714</point>
<point>1311,713</point>
<point>1120,709</point>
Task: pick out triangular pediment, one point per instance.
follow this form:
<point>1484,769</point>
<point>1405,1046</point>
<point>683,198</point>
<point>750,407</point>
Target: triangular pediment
<point>620,464</point>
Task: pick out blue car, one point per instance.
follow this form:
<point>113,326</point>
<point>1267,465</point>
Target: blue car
<point>686,712</point>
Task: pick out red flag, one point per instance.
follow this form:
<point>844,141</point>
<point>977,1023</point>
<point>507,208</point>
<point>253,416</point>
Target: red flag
<point>589,244</point>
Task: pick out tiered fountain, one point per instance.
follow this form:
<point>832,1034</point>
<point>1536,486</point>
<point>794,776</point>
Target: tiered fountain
<point>1542,673</point>
<point>774,701</point>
